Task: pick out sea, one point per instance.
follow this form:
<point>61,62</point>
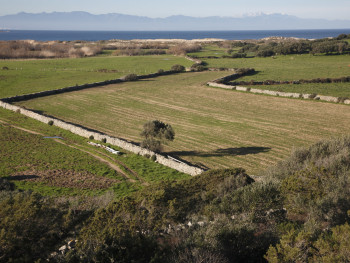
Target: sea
<point>49,35</point>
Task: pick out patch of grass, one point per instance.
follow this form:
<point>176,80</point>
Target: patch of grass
<point>46,190</point>
<point>289,67</point>
<point>22,152</point>
<point>214,127</point>
<point>149,170</point>
<point>28,76</point>
<point>327,89</point>
<point>294,67</point>
<point>125,188</point>
<point>210,50</point>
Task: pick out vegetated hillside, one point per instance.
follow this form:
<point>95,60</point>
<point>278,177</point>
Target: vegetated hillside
<point>299,211</point>
<point>214,127</point>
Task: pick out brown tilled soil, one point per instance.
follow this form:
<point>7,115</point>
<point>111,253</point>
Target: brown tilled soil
<point>67,179</point>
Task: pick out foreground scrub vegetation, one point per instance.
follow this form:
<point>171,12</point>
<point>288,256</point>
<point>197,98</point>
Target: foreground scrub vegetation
<point>299,211</point>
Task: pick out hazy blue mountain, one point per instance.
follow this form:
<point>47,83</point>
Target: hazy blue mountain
<point>86,21</point>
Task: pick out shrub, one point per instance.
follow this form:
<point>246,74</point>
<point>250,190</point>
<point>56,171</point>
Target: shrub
<point>198,67</point>
<point>154,158</point>
<point>5,68</point>
<point>6,185</point>
<point>36,49</point>
<point>177,68</point>
<point>331,246</point>
<point>239,55</point>
<point>160,71</point>
<point>131,77</point>
<point>182,49</point>
<point>50,123</point>
<point>91,137</point>
<point>104,140</point>
<point>332,155</point>
<point>266,53</point>
<point>31,227</point>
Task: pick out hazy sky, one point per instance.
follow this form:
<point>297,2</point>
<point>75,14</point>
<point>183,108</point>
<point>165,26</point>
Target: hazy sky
<point>329,9</point>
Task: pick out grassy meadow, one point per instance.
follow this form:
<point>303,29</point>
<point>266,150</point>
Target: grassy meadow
<point>34,75</point>
<point>210,50</point>
<point>294,67</point>
<point>215,128</point>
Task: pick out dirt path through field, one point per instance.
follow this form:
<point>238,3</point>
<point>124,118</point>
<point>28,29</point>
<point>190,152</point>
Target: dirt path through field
<point>134,174</point>
<point>103,160</point>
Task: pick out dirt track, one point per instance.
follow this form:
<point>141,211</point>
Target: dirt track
<point>106,160</point>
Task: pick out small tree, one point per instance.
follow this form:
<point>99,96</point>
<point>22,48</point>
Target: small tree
<point>155,132</point>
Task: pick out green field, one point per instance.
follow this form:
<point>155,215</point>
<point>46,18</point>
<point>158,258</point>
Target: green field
<point>210,50</point>
<point>214,127</point>
<point>294,67</point>
<point>69,166</point>
<point>28,76</point>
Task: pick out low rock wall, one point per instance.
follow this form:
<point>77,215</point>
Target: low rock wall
<point>179,166</point>
<point>80,87</point>
<point>278,93</point>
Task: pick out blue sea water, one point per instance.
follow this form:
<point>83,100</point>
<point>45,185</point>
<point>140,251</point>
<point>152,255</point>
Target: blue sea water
<point>47,35</point>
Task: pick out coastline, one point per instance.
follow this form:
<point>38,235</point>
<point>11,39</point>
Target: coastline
<point>166,36</point>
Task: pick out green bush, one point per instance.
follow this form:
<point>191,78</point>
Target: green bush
<point>131,77</point>
<point>119,232</point>
<point>91,137</point>
<point>306,246</point>
<point>332,155</point>
<point>31,227</point>
<point>5,185</point>
<point>50,123</point>
<point>198,67</point>
<point>177,68</point>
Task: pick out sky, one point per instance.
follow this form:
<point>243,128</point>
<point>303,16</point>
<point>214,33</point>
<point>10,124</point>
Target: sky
<point>326,9</point>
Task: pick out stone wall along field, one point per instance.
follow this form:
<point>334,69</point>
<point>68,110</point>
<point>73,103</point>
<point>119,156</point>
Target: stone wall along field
<point>172,163</point>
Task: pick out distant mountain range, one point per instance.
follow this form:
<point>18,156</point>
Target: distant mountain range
<point>86,21</point>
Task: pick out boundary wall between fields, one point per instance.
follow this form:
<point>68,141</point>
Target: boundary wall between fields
<point>81,87</point>
<point>222,83</point>
<point>132,147</point>
<point>84,132</point>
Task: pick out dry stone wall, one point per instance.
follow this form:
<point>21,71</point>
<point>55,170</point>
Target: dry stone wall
<point>129,146</point>
<point>219,83</point>
<point>80,87</point>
